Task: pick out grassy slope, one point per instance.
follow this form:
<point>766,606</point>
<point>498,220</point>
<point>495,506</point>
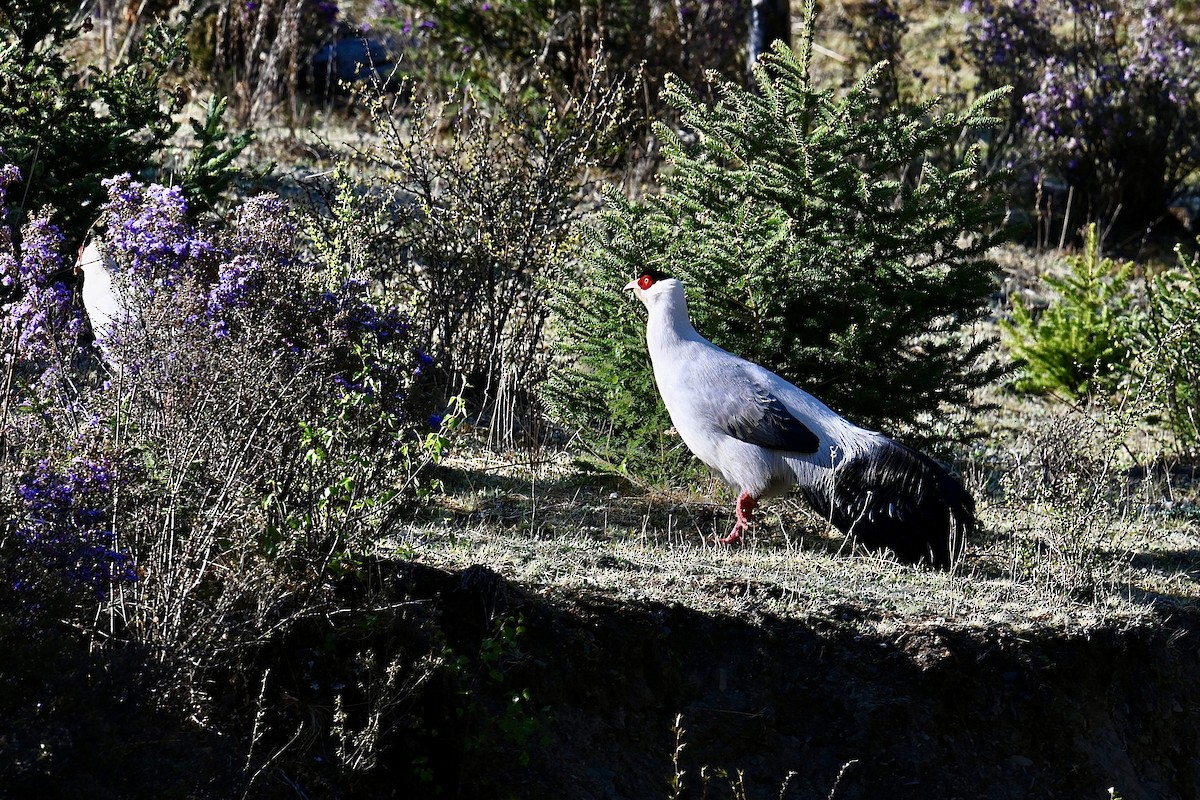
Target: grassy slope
<point>553,527</point>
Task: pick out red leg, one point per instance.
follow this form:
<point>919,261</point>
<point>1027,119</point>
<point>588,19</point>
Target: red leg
<point>745,507</point>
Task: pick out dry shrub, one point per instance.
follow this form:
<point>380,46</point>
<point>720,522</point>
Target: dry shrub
<point>1072,503</point>
<point>481,198</point>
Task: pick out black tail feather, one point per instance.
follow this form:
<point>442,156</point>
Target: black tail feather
<point>897,498</point>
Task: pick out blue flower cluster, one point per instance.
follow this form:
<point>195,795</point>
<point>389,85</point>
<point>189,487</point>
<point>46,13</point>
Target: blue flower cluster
<point>239,281</point>
<point>36,305</point>
<point>150,235</point>
<point>65,528</point>
<point>253,256</point>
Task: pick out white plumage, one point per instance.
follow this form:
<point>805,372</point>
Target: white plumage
<point>763,436</point>
<point>101,300</point>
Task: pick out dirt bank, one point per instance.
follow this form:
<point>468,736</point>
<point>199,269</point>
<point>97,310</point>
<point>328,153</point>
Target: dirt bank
<point>930,712</point>
<point>463,684</point>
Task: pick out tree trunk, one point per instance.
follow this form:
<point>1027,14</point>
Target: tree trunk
<point>769,20</point>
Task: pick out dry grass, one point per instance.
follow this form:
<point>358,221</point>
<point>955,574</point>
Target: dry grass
<point>560,531</point>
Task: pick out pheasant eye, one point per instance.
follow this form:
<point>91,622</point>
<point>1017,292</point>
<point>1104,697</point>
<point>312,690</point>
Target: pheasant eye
<point>645,282</point>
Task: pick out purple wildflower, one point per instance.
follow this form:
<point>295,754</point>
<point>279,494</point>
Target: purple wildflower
<point>65,525</point>
<point>149,232</point>
<point>238,283</point>
<point>37,305</point>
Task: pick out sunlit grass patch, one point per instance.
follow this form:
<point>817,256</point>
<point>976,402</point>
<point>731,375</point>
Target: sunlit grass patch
<point>559,531</point>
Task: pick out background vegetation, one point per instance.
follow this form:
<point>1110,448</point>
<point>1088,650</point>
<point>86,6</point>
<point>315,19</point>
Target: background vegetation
<point>810,244</point>
<point>370,255</point>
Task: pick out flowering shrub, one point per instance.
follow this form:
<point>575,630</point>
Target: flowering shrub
<point>262,289</point>
<point>61,532</point>
<point>66,525</point>
<point>253,413</point>
<point>1108,96</point>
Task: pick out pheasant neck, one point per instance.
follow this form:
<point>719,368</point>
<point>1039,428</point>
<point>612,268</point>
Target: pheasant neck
<point>668,323</point>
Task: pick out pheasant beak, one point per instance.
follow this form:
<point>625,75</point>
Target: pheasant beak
<point>632,286</point>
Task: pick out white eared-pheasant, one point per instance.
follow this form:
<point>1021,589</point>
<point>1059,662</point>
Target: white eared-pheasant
<point>763,436</point>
